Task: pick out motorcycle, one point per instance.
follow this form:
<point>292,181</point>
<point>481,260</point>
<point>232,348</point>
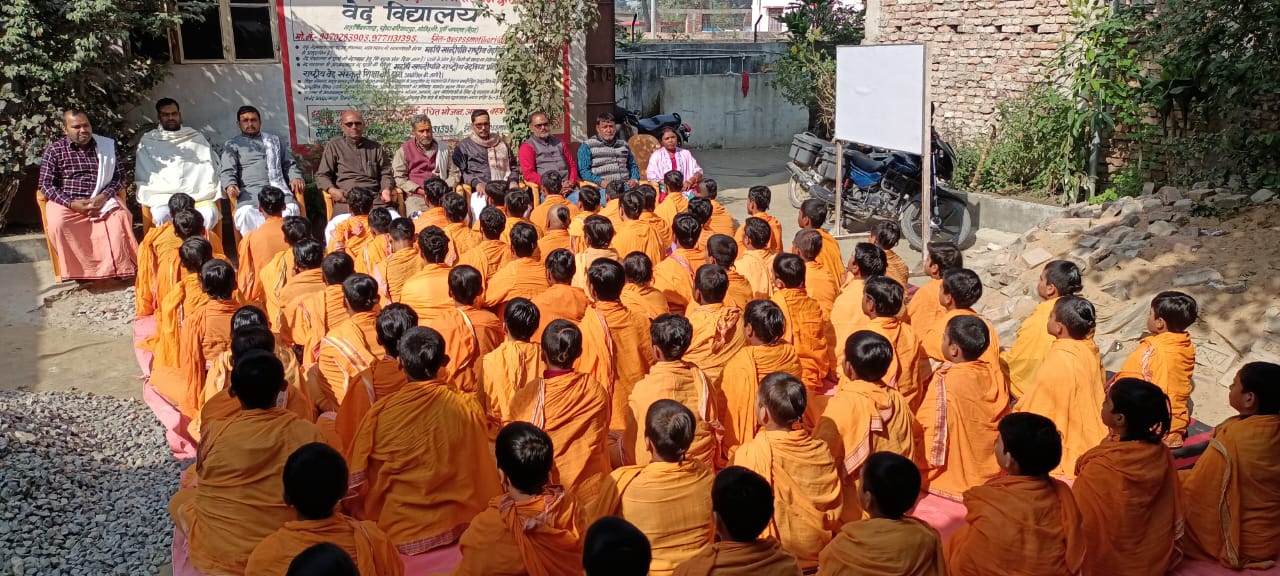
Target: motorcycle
<point>630,123</point>
<point>882,185</point>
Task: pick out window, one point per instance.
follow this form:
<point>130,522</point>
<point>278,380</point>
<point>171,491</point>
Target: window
<point>234,30</point>
<point>775,20</point>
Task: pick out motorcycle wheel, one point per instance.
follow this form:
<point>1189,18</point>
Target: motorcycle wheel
<point>797,194</point>
<point>956,223</point>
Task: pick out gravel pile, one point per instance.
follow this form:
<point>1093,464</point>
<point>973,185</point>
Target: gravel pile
<point>85,483</point>
<point>104,311</point>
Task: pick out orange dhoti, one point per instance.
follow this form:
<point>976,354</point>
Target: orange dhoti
<point>959,417</point>
<point>1068,389</point>
<point>741,383</point>
<point>573,409</point>
<point>763,557</point>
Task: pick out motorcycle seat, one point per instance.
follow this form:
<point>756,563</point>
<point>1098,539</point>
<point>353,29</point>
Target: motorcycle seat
<point>866,163</point>
<point>649,124</point>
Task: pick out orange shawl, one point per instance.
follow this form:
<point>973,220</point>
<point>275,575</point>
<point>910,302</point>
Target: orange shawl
<point>670,206</point>
<point>373,553</point>
<point>847,316</point>
<point>167,372</point>
<point>830,256</point>
<point>910,369</point>
<point>809,331</point>
<point>559,301</point>
<point>924,309</point>
<point>519,278</point>
<point>584,259</point>
<point>775,239</point>
<point>665,236</point>
<point>1130,508</point>
<point>218,403</point>
<point>540,213</point>
<point>315,315</point>
<point>553,240</point>
<point>1023,358</point>
<point>958,417</point>
<point>393,272</point>
<point>488,257</point>
<point>757,267</point>
<point>727,558</point>
<point>884,547</point>
<point>721,222</point>
<point>427,291</point>
<point>461,240</point>
<point>638,236</point>
<point>616,352</point>
<point>508,369</point>
<point>821,286</point>
<point>896,269</point>
<point>1168,361</point>
<point>434,216</point>
<point>674,277</point>
<point>1069,390</point>
<point>717,335</point>
<point>645,300</point>
<point>740,292</point>
<point>206,334</point>
<point>540,535</point>
<point>680,381</point>
<point>158,241</point>
<point>350,236</point>
<point>469,333</point>
<point>669,502</point>
<point>290,295</point>
<point>741,382</point>
<point>1021,526</point>
<point>573,410</point>
<point>345,355</point>
<point>257,249</point>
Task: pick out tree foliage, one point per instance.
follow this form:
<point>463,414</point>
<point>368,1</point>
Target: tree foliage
<point>806,74</point>
<point>56,54</point>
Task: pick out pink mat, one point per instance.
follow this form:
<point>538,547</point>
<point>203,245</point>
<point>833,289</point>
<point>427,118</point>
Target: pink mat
<point>143,328</point>
<point>1190,567</point>
<point>175,424</point>
<point>179,556</point>
<point>438,561</point>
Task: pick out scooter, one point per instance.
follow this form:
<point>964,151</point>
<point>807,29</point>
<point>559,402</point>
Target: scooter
<point>630,123</point>
<point>882,185</point>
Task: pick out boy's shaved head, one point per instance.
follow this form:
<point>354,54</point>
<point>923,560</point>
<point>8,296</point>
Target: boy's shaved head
<point>1178,310</point>
<point>248,315</point>
<point>401,229</point>
<point>337,267</point>
<point>360,292</point>
<point>632,205</point>
<point>686,229</point>
<point>188,223</point>
<point>393,322</point>
<point>649,195</point>
<point>869,259</point>
<point>218,279</point>
<point>700,209</point>
<point>963,285</point>
<point>308,253</point>
<point>519,201</point>
<point>380,220</point>
<point>743,501</point>
<point>179,202</point>
<point>589,198</point>
<point>766,320</point>
<point>885,294</point>
<point>295,229</point>
<point>455,207</point>
<point>193,253</point>
<point>524,239</point>
<point>870,354</point>
<point>674,181</point>
<point>784,396</point>
<point>712,283</point>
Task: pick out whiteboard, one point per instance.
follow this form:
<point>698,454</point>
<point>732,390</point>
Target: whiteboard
<point>880,95</point>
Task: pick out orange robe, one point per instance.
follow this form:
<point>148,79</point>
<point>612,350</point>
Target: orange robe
<point>408,474</point>
<point>559,301</point>
<point>821,286</point>
<point>674,277</point>
<point>638,236</point>
<point>931,343</point>
<point>670,206</point>
<point>541,536</point>
<point>809,331</point>
<point>256,250</point>
<point>393,272</point>
<point>740,292</point>
<point>728,558</point>
<point>519,278</point>
<point>368,546</point>
<point>577,231</point>
<point>807,494</point>
<point>427,291</point>
<point>660,226</point>
<point>1130,508</point>
<point>616,352</point>
<point>184,299</point>
<point>1021,360</point>
<point>584,260</point>
<point>884,547</point>
<point>1232,497</point>
<point>846,314</point>
<point>206,334</point>
<point>680,381</point>
<point>461,240</point>
<point>896,269</point>
<point>158,241</point>
<point>721,221</point>
<point>218,403</point>
<point>511,367</point>
<point>775,239</point>
<point>488,257</point>
<point>275,275</point>
<point>757,267</point>
<point>469,333</point>
<point>741,382</point>
<point>430,217</point>
<point>1069,390</point>
<point>291,295</point>
<point>830,256</point>
<point>239,499</point>
<point>909,372</point>
<point>860,419</point>
<point>553,240</point>
<point>539,214</point>
<point>958,417</point>
<point>1168,361</point>
<point>1018,525</point>
<point>346,354</point>
<point>368,373</point>
<point>573,409</point>
<point>645,300</point>
<point>613,211</point>
<point>923,310</point>
<point>717,335</point>
<point>669,502</point>
<point>350,236</point>
<point>314,316</point>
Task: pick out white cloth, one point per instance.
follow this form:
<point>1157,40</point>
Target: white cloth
<point>333,224</point>
<point>272,143</point>
<point>106,152</point>
<point>478,201</point>
<point>660,164</point>
<point>248,218</point>
<point>173,162</point>
<point>160,215</point>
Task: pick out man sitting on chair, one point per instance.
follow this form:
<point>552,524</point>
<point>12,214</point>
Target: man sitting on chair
<point>173,158</point>
<point>481,158</point>
<point>542,152</point>
<point>90,232</point>
<point>352,161</point>
<point>252,161</point>
<point>419,159</point>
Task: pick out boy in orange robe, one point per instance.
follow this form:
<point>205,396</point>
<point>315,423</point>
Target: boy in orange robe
<point>813,215</point>
<point>307,278</point>
<point>280,270</point>
<point>613,205</point>
<point>723,251</point>
<point>821,284</point>
<point>848,313</point>
<point>161,240</point>
<point>1025,522</point>
<point>524,276</point>
<point>639,294</point>
<point>1068,387</point>
<point>588,205</point>
<point>1020,361</point>
<point>1167,358</point>
<point>249,332</point>
<point>1233,493</point>
<point>205,334</point>
<point>744,508</point>
<point>427,291</point>
<point>381,375</point>
<point>756,261</point>
<point>379,246</point>
<point>765,353</point>
<point>184,299</point>
<point>317,313</point>
<point>561,299</point>
<point>554,199</point>
<point>671,377</point>
<point>403,263</point>
<point>650,197</point>
<point>258,247</point>
<point>493,253</point>
<point>805,478</point>
<point>615,547</point>
<point>866,415</point>
<point>888,542</point>
<point>634,235</point>
<point>721,221</point>
<point>669,499</point>
<point>961,289</point>
<point>674,202</point>
<point>352,234</point>
<point>469,332</point>
<point>962,407</point>
<point>807,329</point>
<point>158,275</point>
<point>758,200</point>
<point>674,276</point>
<point>1127,487</point>
<point>598,232</point>
<point>556,236</point>
<point>616,351</point>
<point>573,409</point>
<point>407,473</point>
<point>349,351</point>
<point>924,309</point>
<point>910,370</point>
<point>515,364</point>
<point>717,327</point>
<point>315,479</point>
<point>238,499</point>
<point>519,204</point>
<point>885,236</point>
<point>434,191</point>
<point>461,237</point>
<point>533,528</point>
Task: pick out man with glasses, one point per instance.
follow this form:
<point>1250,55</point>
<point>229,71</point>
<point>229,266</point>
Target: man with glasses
<point>543,153</point>
<point>353,162</point>
<point>252,161</point>
<point>417,160</point>
<point>481,158</point>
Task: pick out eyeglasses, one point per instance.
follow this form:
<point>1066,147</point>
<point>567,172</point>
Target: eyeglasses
<point>542,125</point>
<point>481,124</point>
<point>352,124</point>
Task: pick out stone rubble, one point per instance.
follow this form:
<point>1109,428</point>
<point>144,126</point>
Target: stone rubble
<point>104,309</point>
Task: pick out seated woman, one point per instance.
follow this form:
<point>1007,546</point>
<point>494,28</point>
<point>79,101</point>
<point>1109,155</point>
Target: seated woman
<point>673,157</point>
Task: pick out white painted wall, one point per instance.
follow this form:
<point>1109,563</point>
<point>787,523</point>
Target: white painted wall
<point>209,95</point>
<point>722,117</point>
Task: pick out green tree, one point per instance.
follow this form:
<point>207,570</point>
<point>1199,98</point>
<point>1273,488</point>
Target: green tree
<point>806,75</point>
<point>56,54</point>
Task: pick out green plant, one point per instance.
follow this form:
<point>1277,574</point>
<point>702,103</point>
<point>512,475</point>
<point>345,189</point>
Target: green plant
<point>56,54</point>
<point>385,109</point>
<point>1203,210</point>
<point>1024,149</point>
<point>806,74</point>
<point>1125,183</point>
<point>532,57</point>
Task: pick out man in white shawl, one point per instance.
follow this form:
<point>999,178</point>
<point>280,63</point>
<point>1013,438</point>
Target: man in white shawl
<point>174,158</point>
